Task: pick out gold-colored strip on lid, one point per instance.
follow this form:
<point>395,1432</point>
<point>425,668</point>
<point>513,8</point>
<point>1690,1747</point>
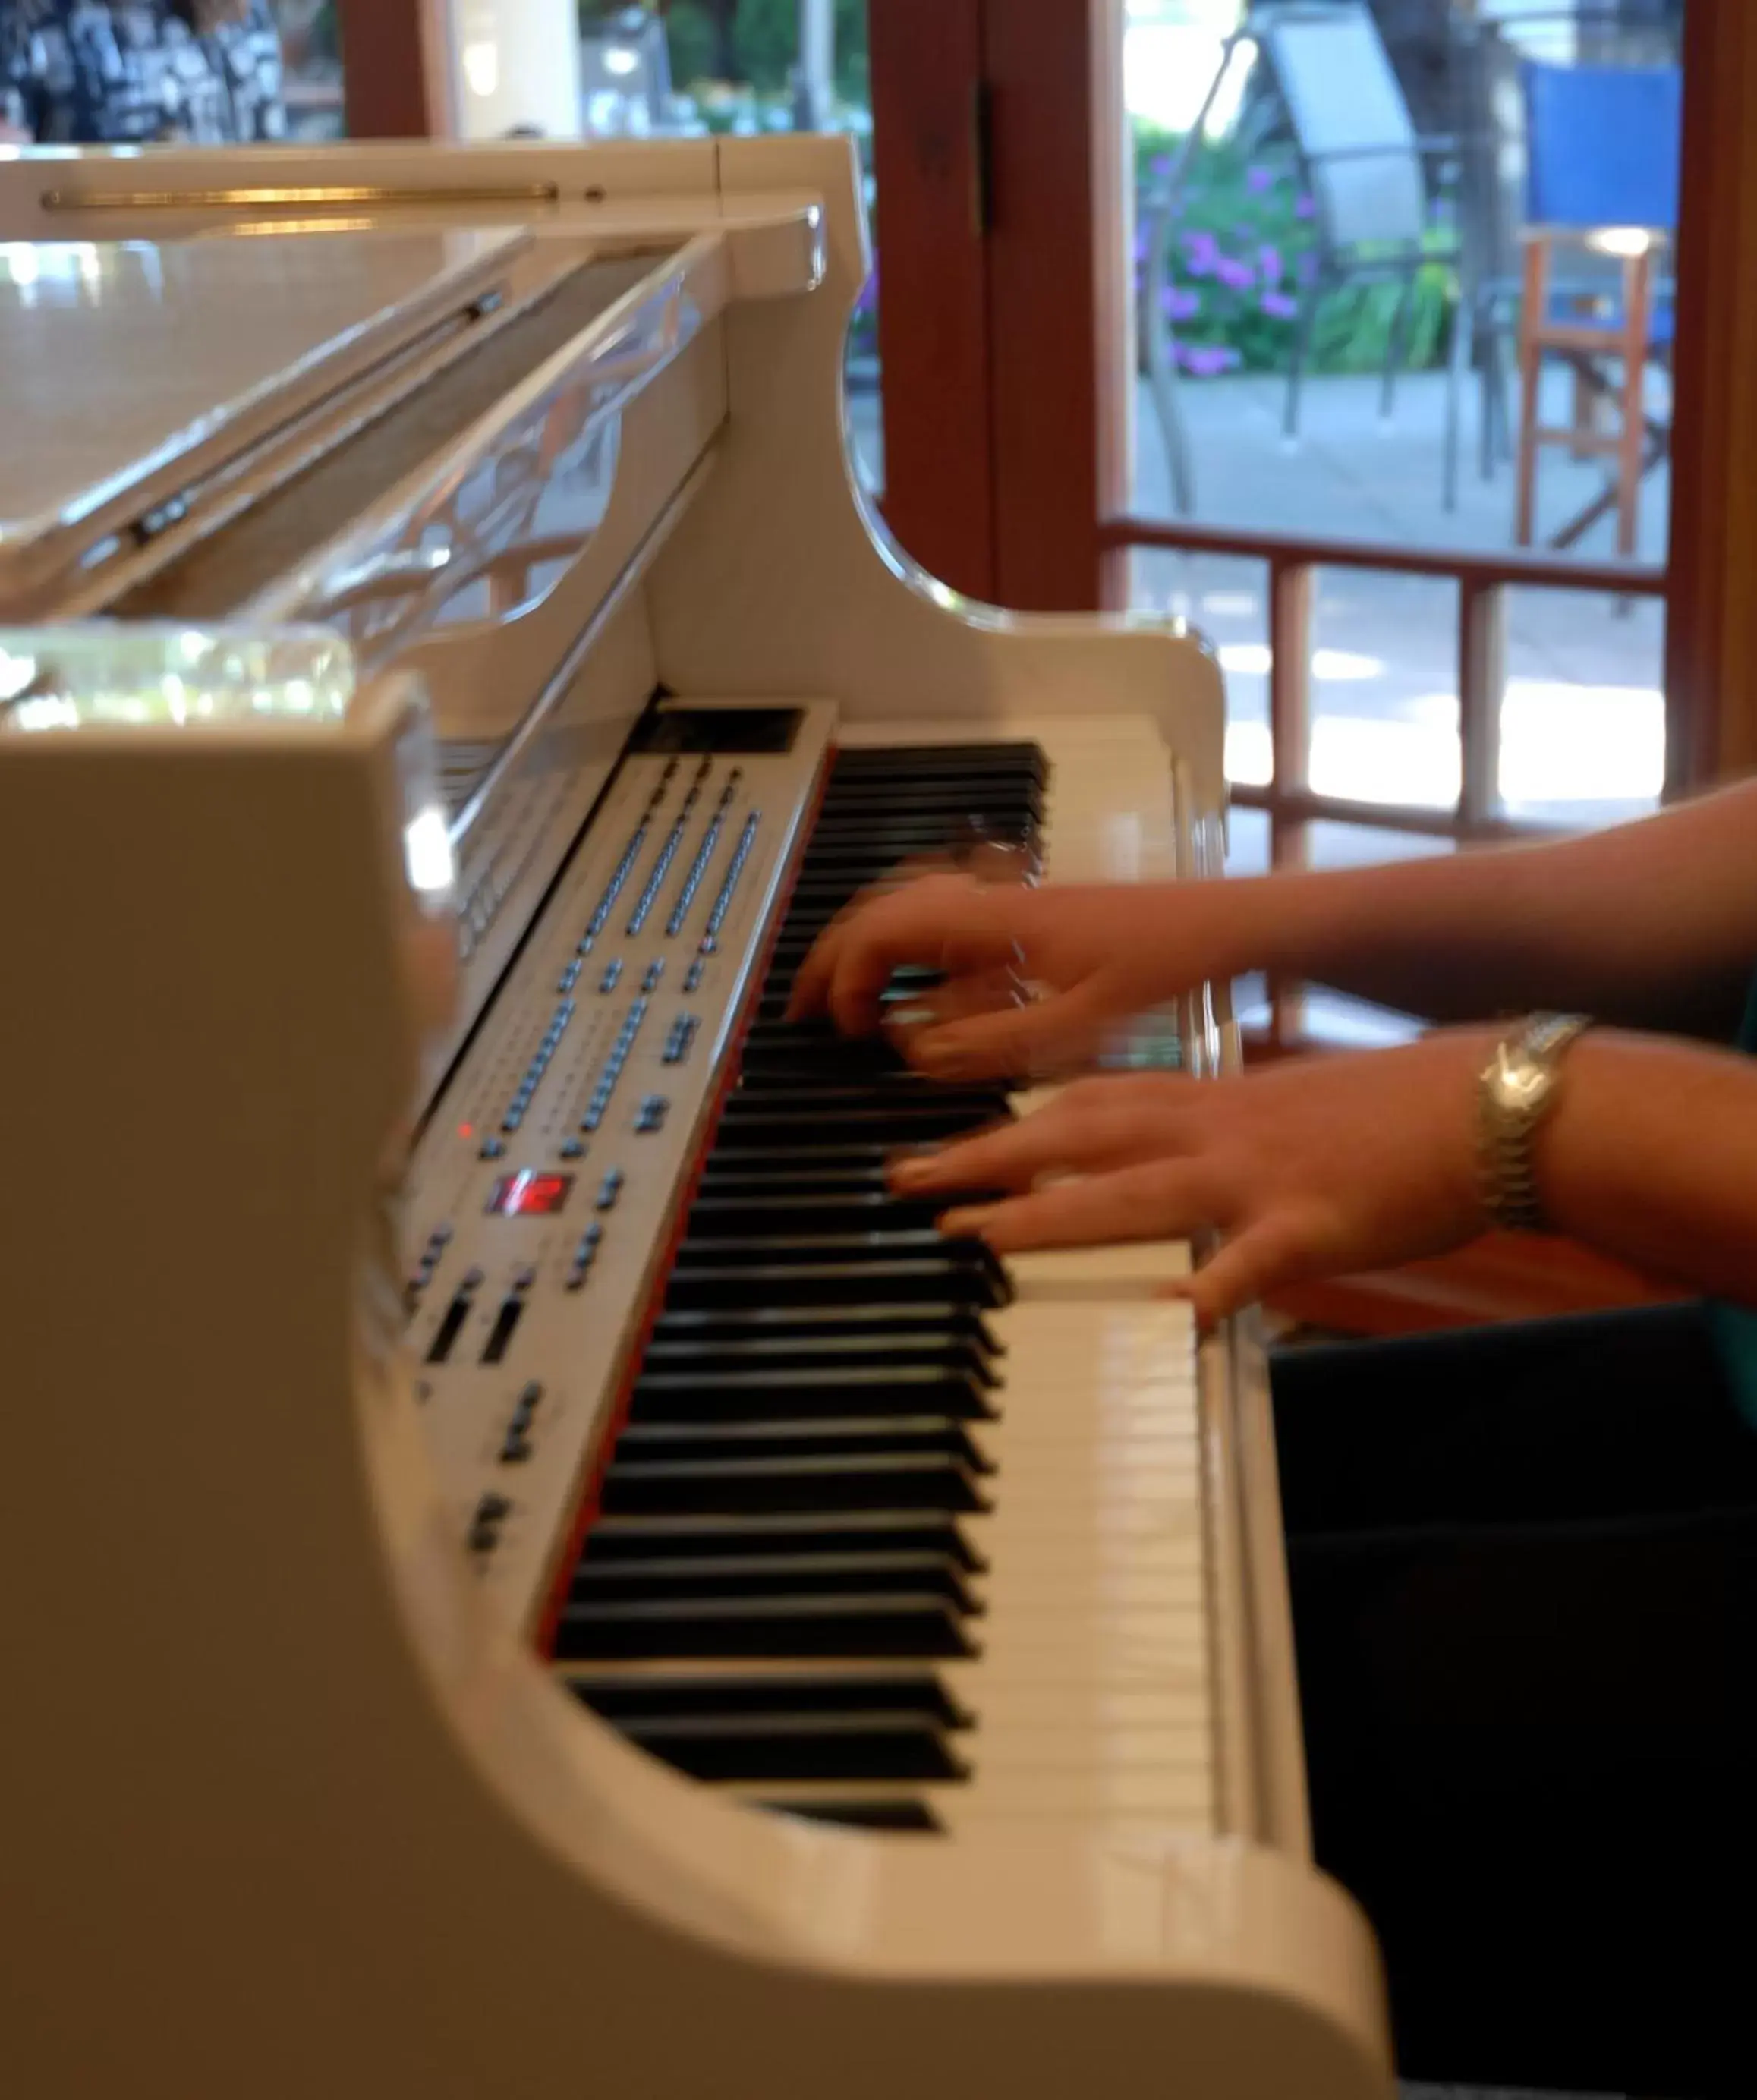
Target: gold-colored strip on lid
<point>311,198</point>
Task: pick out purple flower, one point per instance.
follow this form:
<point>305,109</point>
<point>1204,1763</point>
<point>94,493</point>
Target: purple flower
<point>1269,263</point>
<point>1237,276</point>
<point>1258,179</point>
<point>1201,253</point>
<point>1303,207</point>
<point>1279,306</point>
<point>1306,269</point>
<point>1161,166</point>
<point>1206,360</point>
<point>1180,304</point>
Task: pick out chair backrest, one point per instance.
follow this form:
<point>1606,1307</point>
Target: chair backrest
<point>1350,118</point>
<point>1602,145</point>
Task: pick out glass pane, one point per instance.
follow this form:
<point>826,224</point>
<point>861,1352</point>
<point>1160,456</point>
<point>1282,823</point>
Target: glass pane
<point>1226,598</point>
<point>1583,713</point>
<point>1330,208</point>
<point>745,67</point>
<point>1247,842</point>
<point>1328,1016</point>
<point>1368,845</point>
<point>311,46</point>
<point>257,69</point>
<point>1384,688</point>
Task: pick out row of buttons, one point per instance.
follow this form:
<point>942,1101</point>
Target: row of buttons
<point>619,874</point>
<point>585,1252</point>
<point>423,1273</point>
<point>722,903</point>
<point>678,1038</point>
<point>613,1064</point>
<point>698,869</point>
<point>667,852</point>
<point>516,1445</point>
<point>534,1071</point>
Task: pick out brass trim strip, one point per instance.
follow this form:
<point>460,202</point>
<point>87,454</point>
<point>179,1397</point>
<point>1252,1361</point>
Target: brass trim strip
<point>363,193</point>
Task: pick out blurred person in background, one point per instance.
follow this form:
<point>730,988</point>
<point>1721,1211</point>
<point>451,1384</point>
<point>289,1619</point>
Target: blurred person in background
<point>91,73</point>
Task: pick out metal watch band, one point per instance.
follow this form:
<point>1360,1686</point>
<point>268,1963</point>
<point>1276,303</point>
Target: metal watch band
<point>1515,1092</point>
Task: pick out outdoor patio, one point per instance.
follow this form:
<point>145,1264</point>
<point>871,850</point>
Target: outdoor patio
<point>1583,723</point>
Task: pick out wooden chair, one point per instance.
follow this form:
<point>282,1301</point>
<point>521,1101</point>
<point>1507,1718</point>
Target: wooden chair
<point>1602,145</point>
<point>1591,331</point>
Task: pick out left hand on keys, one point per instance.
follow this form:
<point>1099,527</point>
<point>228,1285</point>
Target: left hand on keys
<point>1321,1165</point>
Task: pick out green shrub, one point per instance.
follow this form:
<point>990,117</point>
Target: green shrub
<point>1244,249</point>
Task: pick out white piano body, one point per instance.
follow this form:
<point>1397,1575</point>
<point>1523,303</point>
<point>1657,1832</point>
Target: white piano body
<point>296,1801</point>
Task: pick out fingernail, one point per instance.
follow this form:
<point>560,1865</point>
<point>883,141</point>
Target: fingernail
<point>964,1224</point>
<point>910,1169</point>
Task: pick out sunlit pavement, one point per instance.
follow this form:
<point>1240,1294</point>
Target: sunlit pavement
<point>1583,721</point>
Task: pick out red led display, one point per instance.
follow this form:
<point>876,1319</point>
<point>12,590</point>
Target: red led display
<point>530,1195</point>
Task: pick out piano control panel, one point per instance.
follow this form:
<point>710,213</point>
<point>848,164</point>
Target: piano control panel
<point>541,1195</point>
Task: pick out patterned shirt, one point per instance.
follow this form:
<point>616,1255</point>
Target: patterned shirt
<point>131,72</point>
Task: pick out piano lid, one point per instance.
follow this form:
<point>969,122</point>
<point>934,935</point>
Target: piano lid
<point>129,364</point>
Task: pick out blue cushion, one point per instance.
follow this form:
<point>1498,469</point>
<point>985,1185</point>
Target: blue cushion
<point>1603,143</point>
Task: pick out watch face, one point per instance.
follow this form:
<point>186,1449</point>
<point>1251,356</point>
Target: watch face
<point>1524,1086</point>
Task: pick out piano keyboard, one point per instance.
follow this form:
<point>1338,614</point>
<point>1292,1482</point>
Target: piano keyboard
<point>889,1534</point>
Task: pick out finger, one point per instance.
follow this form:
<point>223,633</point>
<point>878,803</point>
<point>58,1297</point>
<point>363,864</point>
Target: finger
<point>1093,1127</point>
<point>1030,1040</point>
<point>1247,1269</point>
<point>957,999</point>
<point>1165,1200</point>
<point>925,925</point>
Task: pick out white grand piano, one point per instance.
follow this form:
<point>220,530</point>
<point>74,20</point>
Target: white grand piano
<point>526,1572</point>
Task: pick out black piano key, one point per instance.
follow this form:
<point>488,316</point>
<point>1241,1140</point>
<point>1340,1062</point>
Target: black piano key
<point>765,1217</point>
<point>897,1744</point>
<point>861,1531</point>
<point>814,1394</point>
<point>882,1345</point>
<point>652,1439</point>
<point>771,1575</point>
<point>754,1122</point>
<point>730,1696</point>
<point>741,1323</point>
<point>900,1814</point>
<point>902,1623</point>
<point>972,1270</point>
<point>758,1486</point>
<point>714,1285</point>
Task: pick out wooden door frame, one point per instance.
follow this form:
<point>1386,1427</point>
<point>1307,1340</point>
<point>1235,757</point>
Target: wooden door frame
<point>1712,640</point>
<point>396,68</point>
<point>1001,290</point>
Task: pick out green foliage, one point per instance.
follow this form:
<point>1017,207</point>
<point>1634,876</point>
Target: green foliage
<point>690,33</point>
<point>766,35</point>
<point>1244,249</point>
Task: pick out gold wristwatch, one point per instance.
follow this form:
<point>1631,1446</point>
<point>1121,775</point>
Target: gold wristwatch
<point>1515,1092</point>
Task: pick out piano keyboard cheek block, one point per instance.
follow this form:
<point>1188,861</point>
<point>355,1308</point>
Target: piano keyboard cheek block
<point>641,1612</point>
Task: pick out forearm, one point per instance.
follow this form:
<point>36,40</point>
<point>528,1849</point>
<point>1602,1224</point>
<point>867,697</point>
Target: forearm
<point>1652,923</point>
<point>1651,1156</point>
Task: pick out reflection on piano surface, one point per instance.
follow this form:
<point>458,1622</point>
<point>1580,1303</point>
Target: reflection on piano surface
<point>575,1580</point>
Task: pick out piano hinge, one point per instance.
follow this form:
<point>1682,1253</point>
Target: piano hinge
<point>981,160</point>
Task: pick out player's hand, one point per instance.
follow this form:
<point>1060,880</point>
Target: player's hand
<point>1321,1165</point>
<point>1033,976</point>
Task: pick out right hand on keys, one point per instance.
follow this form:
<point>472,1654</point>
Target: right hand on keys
<point>1090,955</point>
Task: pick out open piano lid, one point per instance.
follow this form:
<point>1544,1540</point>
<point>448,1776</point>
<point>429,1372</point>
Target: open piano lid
<point>280,322</point>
